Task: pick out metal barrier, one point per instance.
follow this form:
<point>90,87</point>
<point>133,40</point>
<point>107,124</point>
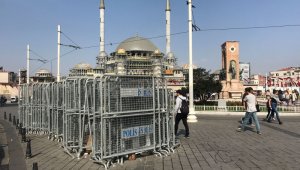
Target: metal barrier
<point>112,116</point>
<point>56,92</point>
<point>135,117</point>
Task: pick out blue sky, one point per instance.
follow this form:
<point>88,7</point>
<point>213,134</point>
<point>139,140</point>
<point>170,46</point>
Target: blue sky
<point>35,22</point>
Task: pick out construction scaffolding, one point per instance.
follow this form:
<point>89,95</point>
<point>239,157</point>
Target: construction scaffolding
<point>109,116</point>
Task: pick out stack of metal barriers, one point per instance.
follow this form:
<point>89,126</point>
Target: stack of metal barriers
<point>109,116</point>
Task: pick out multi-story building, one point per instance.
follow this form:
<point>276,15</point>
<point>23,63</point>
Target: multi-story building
<point>282,79</point>
<point>8,81</point>
<point>258,80</point>
<point>7,77</point>
<point>285,77</point>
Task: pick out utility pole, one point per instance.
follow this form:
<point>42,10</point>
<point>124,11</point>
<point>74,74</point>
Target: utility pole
<point>191,117</point>
<point>19,77</point>
<point>28,62</point>
<point>266,82</point>
<point>58,53</point>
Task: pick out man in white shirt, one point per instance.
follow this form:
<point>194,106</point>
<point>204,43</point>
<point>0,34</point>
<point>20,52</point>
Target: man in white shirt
<point>250,107</point>
<point>180,96</point>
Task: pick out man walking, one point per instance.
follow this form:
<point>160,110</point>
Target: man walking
<point>245,105</point>
<point>179,116</point>
<point>250,101</point>
<point>273,103</point>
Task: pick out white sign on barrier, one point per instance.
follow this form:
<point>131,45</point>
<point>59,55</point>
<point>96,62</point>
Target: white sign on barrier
<point>136,92</point>
<point>136,131</point>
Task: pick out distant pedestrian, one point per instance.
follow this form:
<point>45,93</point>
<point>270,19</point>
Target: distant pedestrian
<point>2,100</point>
<point>287,96</point>
<point>250,99</point>
<point>297,94</point>
<point>268,105</point>
<point>281,95</point>
<point>179,116</point>
<point>294,97</point>
<point>268,93</point>
<point>274,102</point>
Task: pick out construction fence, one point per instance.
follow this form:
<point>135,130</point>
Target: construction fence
<point>109,116</point>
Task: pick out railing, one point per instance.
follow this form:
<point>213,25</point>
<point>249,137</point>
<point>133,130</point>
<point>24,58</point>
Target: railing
<point>290,109</point>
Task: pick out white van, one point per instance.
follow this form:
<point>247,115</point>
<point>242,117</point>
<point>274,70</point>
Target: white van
<point>14,99</point>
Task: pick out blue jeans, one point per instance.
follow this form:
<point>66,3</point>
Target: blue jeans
<point>248,116</point>
<point>274,110</point>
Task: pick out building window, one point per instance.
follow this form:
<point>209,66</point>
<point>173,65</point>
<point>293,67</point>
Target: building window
<point>277,74</point>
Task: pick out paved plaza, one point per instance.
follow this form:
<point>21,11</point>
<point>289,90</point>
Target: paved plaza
<point>214,144</point>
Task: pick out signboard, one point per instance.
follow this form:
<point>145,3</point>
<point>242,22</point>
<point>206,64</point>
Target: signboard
<point>136,92</point>
<point>136,131</point>
<point>245,73</point>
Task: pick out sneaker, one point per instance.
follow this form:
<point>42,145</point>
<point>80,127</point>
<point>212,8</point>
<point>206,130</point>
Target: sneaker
<point>273,118</point>
<point>258,132</point>
<point>239,129</point>
<point>252,125</point>
<point>187,136</point>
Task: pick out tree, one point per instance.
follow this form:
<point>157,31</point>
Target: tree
<point>204,84</point>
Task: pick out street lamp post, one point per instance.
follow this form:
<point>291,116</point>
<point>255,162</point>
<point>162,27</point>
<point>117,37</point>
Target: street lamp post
<point>266,87</point>
<point>191,117</point>
<point>58,53</point>
<point>28,64</point>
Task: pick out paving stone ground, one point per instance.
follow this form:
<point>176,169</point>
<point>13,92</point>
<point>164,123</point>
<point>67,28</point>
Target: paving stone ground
<point>214,144</point>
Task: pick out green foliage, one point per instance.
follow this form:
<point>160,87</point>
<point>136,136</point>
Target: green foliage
<point>206,103</point>
<point>204,84</point>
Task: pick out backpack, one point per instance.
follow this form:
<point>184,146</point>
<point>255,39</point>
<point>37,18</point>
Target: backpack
<point>184,109</point>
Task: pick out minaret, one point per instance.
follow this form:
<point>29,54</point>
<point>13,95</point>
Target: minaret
<point>169,55</point>
<point>102,8</point>
<point>168,20</point>
<point>102,54</point>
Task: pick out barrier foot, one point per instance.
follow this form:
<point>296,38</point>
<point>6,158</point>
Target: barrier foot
<point>35,166</point>
<point>28,149</point>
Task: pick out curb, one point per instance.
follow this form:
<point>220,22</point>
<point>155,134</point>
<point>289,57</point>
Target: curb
<point>282,114</point>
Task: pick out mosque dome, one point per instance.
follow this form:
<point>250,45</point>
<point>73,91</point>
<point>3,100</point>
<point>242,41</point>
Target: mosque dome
<point>137,43</point>
<point>82,66</point>
<point>44,71</point>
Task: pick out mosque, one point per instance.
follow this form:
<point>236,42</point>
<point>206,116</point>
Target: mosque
<point>135,56</point>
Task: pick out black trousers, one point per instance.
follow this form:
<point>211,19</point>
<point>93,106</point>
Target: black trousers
<point>269,112</point>
<point>179,117</point>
